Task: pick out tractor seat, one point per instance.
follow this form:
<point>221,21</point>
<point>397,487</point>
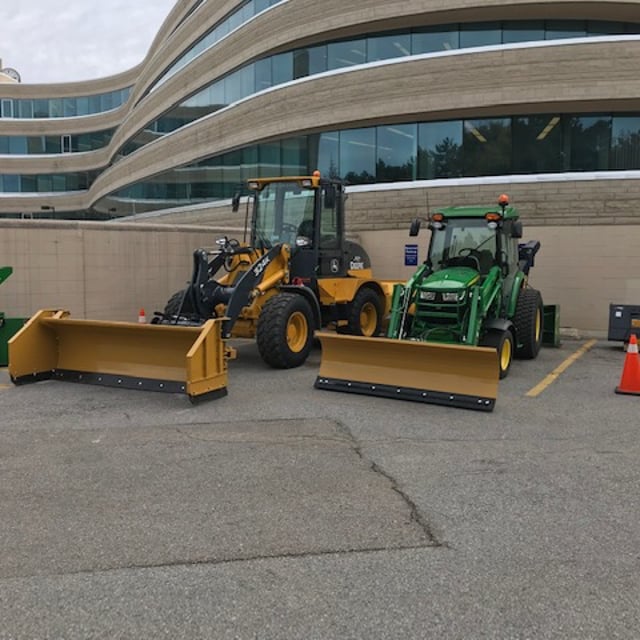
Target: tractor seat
<point>483,259</point>
<point>486,260</point>
<point>462,261</point>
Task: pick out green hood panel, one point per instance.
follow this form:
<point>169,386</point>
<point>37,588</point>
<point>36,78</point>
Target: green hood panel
<point>451,279</point>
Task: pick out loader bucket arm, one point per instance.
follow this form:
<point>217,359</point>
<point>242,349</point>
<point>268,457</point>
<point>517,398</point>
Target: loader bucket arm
<point>446,374</point>
<point>170,358</point>
<point>266,272</point>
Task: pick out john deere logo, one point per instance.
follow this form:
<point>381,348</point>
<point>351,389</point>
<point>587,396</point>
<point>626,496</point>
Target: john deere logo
<point>356,263</point>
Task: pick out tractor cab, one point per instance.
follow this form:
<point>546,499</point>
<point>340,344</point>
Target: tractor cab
<point>477,238</point>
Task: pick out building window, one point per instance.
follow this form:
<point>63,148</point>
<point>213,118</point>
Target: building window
<point>487,147</point>
<point>397,148</point>
<point>358,155</point>
<point>440,149</point>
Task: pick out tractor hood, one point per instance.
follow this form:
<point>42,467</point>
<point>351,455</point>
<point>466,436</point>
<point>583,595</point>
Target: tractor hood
<point>451,279</point>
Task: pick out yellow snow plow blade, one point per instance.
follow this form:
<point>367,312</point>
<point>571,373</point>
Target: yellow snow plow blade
<point>447,374</point>
<point>170,358</point>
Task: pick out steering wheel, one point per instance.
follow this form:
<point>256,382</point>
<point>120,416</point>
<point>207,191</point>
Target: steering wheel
<point>231,246</point>
<point>468,252</point>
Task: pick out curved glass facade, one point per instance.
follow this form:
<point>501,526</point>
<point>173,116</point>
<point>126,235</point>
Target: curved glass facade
<point>291,65</point>
<point>47,183</point>
<point>551,143</point>
<point>233,21</point>
<point>28,108</point>
<point>66,143</point>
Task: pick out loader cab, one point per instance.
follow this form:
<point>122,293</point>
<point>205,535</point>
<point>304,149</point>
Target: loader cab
<point>307,214</point>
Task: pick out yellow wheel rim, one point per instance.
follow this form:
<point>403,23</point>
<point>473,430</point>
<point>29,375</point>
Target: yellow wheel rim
<point>297,331</point>
<point>368,319</point>
<point>538,324</point>
<point>505,355</point>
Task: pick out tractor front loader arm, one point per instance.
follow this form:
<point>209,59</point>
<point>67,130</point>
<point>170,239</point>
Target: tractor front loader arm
<point>401,301</point>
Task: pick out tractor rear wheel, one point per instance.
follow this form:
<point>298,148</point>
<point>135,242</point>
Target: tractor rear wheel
<point>365,317</point>
<point>528,321</point>
<point>503,343</point>
<point>285,331</point>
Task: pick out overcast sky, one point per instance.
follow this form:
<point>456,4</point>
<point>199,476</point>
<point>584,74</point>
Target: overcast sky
<point>70,40</point>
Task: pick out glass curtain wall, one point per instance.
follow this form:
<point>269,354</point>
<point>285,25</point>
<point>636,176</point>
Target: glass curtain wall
<point>27,108</point>
<point>275,70</point>
<point>476,147</point>
<point>450,149</point>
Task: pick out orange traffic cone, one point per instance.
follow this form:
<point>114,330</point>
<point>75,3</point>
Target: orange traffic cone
<point>630,381</point>
<point>142,318</point>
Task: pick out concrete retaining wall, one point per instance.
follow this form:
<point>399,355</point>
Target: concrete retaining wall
<point>110,271</point>
<point>96,270</point>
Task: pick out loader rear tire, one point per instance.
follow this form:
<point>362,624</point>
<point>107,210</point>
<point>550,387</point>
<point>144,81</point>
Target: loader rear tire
<point>172,308</point>
<point>365,317</point>
<point>285,331</point>
<point>503,343</point>
<point>528,322</point>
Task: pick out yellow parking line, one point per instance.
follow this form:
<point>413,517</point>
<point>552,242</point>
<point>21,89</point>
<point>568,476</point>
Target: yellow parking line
<point>541,386</point>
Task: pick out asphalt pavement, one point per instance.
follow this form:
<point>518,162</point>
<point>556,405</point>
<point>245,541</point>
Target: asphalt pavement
<point>284,512</point>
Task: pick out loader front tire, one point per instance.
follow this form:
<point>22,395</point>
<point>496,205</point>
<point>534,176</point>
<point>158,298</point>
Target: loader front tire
<point>528,321</point>
<point>365,317</point>
<point>285,331</point>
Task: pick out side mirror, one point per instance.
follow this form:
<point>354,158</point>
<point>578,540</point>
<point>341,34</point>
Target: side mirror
<point>516,229</point>
<point>235,202</point>
<point>415,227</point>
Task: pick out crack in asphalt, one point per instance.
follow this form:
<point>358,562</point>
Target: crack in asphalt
<point>416,515</point>
<point>215,562</point>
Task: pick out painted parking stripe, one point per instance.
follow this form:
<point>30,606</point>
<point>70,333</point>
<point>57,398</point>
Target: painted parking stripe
<point>541,386</point>
<point>4,386</point>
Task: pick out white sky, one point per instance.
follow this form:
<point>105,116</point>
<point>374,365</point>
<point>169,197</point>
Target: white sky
<point>70,40</point>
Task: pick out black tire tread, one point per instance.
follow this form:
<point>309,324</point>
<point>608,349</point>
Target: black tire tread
<point>172,308</point>
<point>493,339</point>
<point>270,334</point>
<point>529,300</point>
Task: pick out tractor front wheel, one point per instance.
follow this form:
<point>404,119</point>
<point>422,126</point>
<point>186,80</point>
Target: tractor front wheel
<point>503,343</point>
<point>528,321</point>
<point>285,331</point>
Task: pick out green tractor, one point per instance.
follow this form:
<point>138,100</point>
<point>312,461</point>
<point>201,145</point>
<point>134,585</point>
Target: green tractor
<point>457,323</point>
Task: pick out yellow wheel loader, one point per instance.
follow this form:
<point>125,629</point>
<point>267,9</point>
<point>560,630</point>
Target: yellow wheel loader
<point>293,273</point>
<point>456,324</point>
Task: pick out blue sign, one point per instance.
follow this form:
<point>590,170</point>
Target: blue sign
<point>410,255</point>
